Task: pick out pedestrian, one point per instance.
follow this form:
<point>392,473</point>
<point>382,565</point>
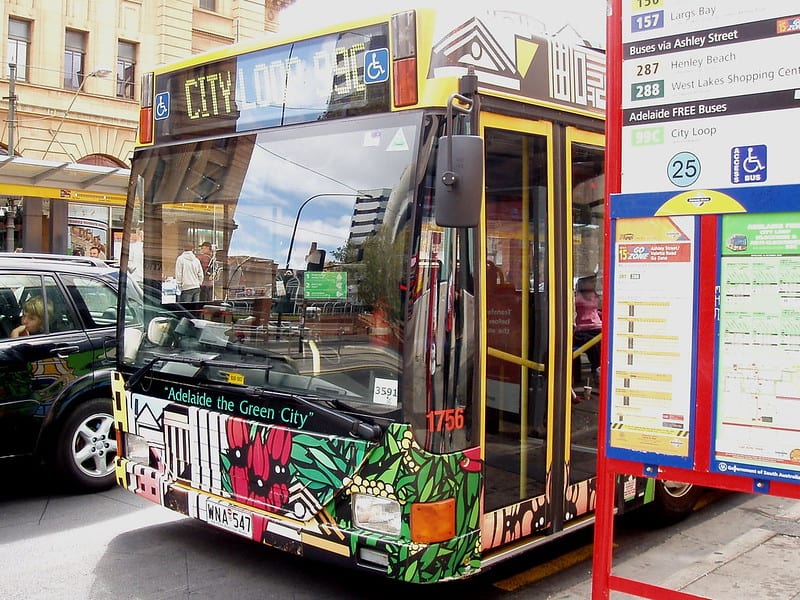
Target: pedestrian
<point>188,274</point>
<point>136,256</point>
<point>101,249</point>
<point>588,325</point>
<point>206,259</point>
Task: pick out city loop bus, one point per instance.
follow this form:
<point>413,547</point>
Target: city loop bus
<point>356,251</point>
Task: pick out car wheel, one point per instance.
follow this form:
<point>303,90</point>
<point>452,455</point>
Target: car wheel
<point>674,500</point>
<point>87,445</point>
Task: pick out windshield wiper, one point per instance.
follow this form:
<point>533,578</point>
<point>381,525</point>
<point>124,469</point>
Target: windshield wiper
<point>356,426</point>
<point>200,363</point>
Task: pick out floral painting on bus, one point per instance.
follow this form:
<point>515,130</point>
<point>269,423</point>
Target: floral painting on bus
<point>292,489</point>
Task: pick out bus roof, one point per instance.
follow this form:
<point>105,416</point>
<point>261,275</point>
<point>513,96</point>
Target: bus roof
<point>443,22</point>
<point>582,19</point>
<point>508,52</point>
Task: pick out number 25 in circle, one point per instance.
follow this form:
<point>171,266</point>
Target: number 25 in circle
<point>683,169</point>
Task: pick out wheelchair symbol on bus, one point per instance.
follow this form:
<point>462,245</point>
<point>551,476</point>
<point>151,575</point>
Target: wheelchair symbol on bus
<point>161,110</point>
<point>376,65</point>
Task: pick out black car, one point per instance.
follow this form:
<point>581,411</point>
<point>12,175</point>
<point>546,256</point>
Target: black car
<point>57,344</point>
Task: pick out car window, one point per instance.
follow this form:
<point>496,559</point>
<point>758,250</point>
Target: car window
<point>10,310</point>
<point>33,305</point>
<point>95,299</point>
<point>61,317</point>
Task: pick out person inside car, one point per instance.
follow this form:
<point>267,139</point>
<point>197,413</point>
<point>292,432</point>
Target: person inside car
<point>32,318</point>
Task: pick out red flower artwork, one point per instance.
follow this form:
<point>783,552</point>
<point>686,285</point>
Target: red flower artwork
<point>267,468</point>
<point>238,434</point>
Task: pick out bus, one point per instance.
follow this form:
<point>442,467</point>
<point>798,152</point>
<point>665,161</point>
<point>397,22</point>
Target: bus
<point>355,253</point>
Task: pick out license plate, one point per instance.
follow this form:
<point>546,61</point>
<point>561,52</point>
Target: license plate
<point>226,516</point>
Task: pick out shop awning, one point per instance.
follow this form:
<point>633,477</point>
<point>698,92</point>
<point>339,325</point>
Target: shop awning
<point>63,181</point>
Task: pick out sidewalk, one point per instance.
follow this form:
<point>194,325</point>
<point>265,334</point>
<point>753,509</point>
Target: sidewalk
<point>748,551</point>
<point>759,563</point>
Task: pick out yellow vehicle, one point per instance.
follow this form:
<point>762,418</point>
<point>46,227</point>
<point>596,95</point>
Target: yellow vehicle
<point>378,371</point>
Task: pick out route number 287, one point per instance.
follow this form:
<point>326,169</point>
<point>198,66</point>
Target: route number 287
<point>446,420</point>
<point>646,69</point>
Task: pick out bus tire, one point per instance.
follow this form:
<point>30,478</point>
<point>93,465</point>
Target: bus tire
<point>674,500</point>
<point>86,446</point>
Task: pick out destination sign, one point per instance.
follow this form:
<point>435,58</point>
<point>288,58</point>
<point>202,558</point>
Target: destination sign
<point>708,89</point>
<point>311,80</point>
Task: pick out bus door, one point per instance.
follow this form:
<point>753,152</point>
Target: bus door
<point>542,233</point>
<point>585,201</point>
<point>517,316</point>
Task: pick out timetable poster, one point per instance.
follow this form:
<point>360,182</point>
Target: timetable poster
<point>757,415</point>
<point>652,338</point>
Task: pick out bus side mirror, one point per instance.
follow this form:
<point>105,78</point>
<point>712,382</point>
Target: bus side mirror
<point>459,180</point>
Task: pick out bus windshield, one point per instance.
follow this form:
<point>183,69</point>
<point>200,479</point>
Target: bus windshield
<point>274,260</point>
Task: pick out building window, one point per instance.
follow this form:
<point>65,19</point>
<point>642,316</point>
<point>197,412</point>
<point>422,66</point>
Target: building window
<point>208,4</point>
<point>19,43</point>
<point>126,69</point>
<point>74,58</point>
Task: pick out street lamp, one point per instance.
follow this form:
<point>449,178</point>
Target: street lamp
<point>289,260</point>
<point>12,107</point>
<point>299,210</point>
<point>101,72</point>
<point>8,214</point>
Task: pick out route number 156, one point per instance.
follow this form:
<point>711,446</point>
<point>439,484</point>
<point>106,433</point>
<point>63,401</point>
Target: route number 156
<point>640,4</point>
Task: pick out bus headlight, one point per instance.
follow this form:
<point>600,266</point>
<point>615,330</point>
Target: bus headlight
<point>381,515</point>
<point>136,448</point>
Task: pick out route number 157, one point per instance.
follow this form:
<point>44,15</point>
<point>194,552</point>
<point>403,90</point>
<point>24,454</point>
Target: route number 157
<point>647,21</point>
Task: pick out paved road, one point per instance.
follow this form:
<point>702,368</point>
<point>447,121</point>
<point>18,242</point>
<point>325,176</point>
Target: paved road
<point>113,544</point>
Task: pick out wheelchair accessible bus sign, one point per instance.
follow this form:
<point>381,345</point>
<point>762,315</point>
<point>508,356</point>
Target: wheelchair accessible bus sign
<point>376,66</point>
<point>749,164</point>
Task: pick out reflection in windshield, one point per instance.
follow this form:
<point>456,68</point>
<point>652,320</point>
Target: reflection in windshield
<point>281,252</point>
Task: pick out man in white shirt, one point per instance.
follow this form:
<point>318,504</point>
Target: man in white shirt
<point>136,256</point>
<point>189,274</point>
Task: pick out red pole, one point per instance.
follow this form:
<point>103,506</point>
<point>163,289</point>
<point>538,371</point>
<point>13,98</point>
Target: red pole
<point>604,510</point>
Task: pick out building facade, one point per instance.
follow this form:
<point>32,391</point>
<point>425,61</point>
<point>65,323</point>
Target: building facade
<point>70,108</point>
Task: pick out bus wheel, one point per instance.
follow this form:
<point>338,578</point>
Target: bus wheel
<point>87,445</point>
<point>674,500</point>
